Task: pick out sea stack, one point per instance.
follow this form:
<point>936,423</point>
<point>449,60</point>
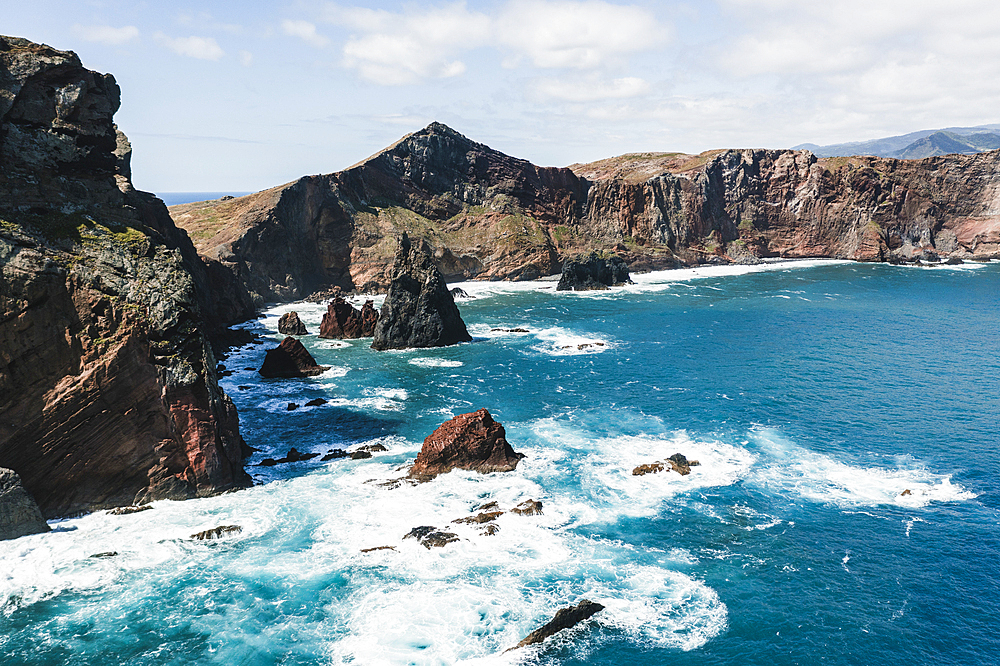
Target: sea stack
<point>343,321</point>
<point>419,311</point>
<point>290,324</point>
<point>471,441</point>
<point>592,271</point>
<point>290,359</point>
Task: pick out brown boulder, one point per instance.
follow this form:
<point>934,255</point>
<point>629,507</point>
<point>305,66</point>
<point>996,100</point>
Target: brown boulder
<point>471,441</point>
<point>290,359</point>
<point>343,321</point>
<point>290,324</point>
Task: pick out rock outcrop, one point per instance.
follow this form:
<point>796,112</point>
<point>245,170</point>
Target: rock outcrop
<point>290,324</point>
<point>108,389</point>
<point>563,619</point>
<point>418,311</point>
<point>290,359</point>
<point>471,441</point>
<point>592,271</point>
<point>343,321</point>
<point>19,514</point>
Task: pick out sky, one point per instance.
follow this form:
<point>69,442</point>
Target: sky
<point>242,96</point>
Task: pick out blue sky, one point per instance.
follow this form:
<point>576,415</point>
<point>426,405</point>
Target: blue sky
<point>238,96</point>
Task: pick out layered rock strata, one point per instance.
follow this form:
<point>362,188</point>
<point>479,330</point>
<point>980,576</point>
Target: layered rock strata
<point>418,311</point>
<point>471,441</point>
<point>108,389</point>
<point>592,271</point>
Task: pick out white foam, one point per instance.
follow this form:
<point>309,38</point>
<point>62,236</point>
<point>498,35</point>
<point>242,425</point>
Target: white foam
<point>821,478</point>
<point>426,362</point>
<point>334,372</point>
<point>558,341</point>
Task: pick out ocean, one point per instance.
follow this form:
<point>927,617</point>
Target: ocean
<point>814,394</point>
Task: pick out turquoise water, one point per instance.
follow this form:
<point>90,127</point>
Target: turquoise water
<point>813,394</point>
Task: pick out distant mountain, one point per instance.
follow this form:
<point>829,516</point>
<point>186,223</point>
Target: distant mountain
<point>925,143</point>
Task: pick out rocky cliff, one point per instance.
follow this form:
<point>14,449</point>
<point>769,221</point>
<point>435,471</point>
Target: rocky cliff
<point>487,215</point>
<point>108,391</point>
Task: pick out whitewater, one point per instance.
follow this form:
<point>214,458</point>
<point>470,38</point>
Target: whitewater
<point>844,511</point>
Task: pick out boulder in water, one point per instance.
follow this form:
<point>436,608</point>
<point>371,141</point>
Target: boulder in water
<point>429,537</point>
<point>471,441</point>
<point>19,514</point>
<point>564,619</point>
<point>593,271</point>
<point>290,324</point>
<point>290,359</point>
<point>418,310</point>
<point>343,321</point>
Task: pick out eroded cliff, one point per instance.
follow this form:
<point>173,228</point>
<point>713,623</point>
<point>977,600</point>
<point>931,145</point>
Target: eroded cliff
<point>108,391</point>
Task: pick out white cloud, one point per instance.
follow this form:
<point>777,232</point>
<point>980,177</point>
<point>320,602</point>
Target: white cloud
<point>581,35</point>
<point>587,89</point>
<point>246,58</point>
<point>203,48</point>
<point>106,34</point>
<point>305,31</point>
<point>402,48</point>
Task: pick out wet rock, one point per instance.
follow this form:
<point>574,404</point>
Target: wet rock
<point>360,455</point>
<point>563,619</point>
<point>372,448</point>
<point>316,402</point>
<point>334,454</point>
<point>430,537</point>
<point>217,532</point>
<point>528,508</point>
<point>490,530</point>
<point>680,464</point>
<point>292,406</point>
<point>479,518</point>
<point>489,506</point>
<point>370,550</point>
<point>592,271</point>
<point>110,553</point>
<point>343,321</point>
<point>471,441</point>
<point>509,330</point>
<point>293,456</point>
<point>290,359</point>
<point>418,310</point>
<point>906,492</point>
<point>648,468</point>
<point>458,292</point>
<point>126,510</point>
<point>290,324</point>
<point>953,261</point>
<point>19,514</point>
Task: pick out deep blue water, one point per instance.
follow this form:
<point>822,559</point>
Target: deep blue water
<point>175,198</point>
<point>812,394</point>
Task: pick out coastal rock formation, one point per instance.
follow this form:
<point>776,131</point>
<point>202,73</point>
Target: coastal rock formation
<point>19,514</point>
<point>486,215</point>
<point>471,441</point>
<point>563,619</point>
<point>418,310</point>
<point>343,321</point>
<point>108,389</point>
<point>592,271</point>
<point>290,324</point>
<point>290,359</point>
<point>429,536</point>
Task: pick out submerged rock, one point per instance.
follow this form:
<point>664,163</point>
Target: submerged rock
<point>316,402</point>
<point>334,454</point>
<point>458,292</point>
<point>479,518</point>
<point>290,324</point>
<point>528,507</point>
<point>563,619</point>
<point>290,359</point>
<point>126,510</point>
<point>471,441</point>
<point>593,271</point>
<point>19,514</point>
<point>430,537</point>
<point>418,310</point>
<point>343,321</point>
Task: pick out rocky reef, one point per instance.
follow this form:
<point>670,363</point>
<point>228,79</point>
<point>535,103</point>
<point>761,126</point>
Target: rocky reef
<point>592,271</point>
<point>471,441</point>
<point>418,311</point>
<point>108,389</point>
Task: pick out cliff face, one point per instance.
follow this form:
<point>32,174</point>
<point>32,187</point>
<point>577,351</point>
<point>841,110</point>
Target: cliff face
<point>108,391</point>
<point>490,216</point>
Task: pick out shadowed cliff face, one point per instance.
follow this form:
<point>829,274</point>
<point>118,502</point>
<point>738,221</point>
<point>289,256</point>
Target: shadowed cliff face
<point>490,216</point>
<point>108,392</point>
